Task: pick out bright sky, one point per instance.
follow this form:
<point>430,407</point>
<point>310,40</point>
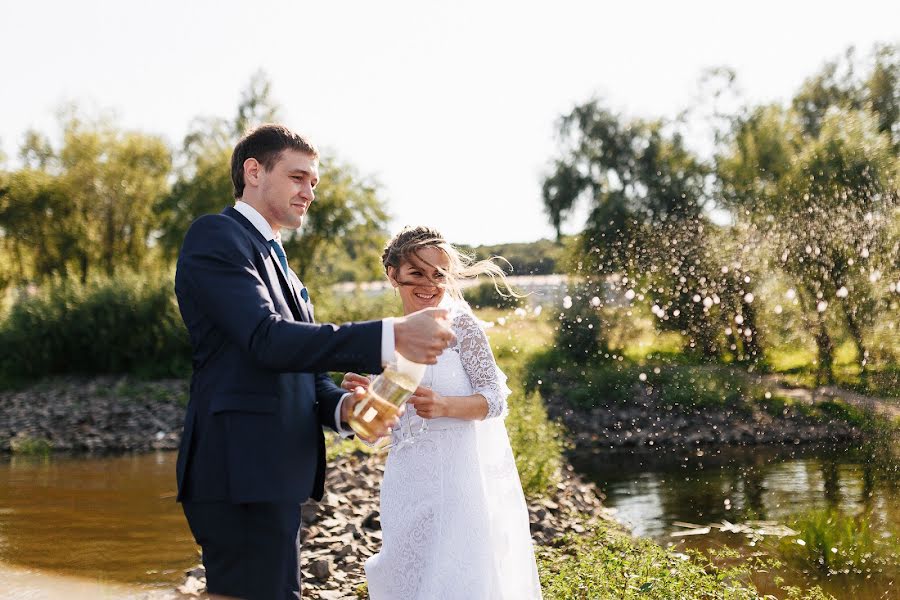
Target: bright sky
<point>451,106</point>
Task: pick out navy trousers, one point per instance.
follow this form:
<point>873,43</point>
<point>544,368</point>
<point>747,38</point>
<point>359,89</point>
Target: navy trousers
<point>249,550</point>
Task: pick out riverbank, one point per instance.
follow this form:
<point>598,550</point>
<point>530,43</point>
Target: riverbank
<point>97,414</point>
<point>108,414</point>
<point>611,405</point>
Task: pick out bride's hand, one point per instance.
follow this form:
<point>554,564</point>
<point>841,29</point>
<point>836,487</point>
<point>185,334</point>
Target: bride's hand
<point>353,380</point>
<point>428,403</point>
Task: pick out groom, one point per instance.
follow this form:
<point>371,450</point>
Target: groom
<point>252,449</point>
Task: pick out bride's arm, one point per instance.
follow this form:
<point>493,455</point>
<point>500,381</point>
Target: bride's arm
<point>488,382</point>
<point>430,404</point>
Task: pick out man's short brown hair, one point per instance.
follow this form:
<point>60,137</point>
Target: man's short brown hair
<point>266,144</point>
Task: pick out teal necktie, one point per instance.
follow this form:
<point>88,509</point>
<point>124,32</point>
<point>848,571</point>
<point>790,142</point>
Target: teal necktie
<point>279,252</point>
<point>282,258</point>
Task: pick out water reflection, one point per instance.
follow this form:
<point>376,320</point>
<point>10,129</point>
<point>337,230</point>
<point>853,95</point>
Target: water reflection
<point>110,519</point>
<point>652,491</point>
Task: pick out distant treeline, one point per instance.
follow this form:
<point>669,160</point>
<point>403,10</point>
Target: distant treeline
<point>542,257</point>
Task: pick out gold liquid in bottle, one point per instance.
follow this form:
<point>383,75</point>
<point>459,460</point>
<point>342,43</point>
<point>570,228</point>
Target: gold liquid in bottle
<point>386,394</point>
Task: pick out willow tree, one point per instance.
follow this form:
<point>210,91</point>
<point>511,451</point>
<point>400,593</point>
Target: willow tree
<point>86,206</point>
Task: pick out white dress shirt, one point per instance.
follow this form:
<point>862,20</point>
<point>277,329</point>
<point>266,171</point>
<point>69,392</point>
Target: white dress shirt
<point>387,324</point>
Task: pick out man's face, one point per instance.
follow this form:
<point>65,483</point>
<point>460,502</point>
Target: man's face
<point>287,190</point>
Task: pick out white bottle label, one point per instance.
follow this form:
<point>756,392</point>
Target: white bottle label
<point>370,414</point>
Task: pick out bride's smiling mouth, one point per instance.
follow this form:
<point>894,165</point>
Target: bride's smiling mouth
<point>421,296</point>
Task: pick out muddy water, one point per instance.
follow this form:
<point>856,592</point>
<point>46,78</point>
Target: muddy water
<point>105,520</point>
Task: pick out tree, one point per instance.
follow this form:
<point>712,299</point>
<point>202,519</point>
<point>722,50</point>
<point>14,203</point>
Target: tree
<point>345,227</point>
<point>820,206</point>
<point>848,84</point>
<point>85,206</point>
<point>646,228</point>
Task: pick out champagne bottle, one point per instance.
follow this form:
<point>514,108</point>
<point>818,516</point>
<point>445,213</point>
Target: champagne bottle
<point>386,394</point>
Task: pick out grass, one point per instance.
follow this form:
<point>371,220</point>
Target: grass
<point>797,367</point>
<point>608,564</point>
<point>30,446</point>
<point>833,542</point>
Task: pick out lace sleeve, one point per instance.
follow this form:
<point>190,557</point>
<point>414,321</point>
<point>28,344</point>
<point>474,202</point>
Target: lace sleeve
<point>478,362</point>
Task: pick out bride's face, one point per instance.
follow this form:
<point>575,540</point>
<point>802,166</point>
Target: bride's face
<point>419,280</point>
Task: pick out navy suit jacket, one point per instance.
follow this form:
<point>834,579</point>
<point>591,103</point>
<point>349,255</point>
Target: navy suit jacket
<point>260,393</point>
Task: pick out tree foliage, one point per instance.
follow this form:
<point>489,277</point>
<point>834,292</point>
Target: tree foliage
<point>811,191</point>
<point>102,200</point>
<point>85,206</point>
<point>816,186</point>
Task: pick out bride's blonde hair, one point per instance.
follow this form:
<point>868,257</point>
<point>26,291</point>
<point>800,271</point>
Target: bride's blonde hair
<point>411,240</point>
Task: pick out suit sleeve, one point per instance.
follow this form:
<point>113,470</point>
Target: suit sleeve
<point>217,271</point>
<point>328,394</point>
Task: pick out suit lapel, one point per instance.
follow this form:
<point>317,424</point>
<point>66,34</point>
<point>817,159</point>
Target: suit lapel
<point>284,291</point>
<point>295,286</point>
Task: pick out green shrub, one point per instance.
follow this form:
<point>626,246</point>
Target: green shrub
<point>581,333</point>
<point>109,325</point>
<point>537,443</point>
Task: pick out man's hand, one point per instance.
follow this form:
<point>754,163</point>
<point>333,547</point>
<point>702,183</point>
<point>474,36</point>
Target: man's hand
<point>423,335</point>
<point>428,403</point>
<point>352,381</point>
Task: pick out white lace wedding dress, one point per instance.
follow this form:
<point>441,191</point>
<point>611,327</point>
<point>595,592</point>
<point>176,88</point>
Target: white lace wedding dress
<point>453,516</point>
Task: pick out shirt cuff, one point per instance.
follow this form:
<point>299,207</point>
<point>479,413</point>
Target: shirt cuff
<point>344,433</point>
<point>387,341</point>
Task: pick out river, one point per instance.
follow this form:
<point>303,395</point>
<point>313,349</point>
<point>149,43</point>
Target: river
<point>114,520</point>
<point>652,491</point>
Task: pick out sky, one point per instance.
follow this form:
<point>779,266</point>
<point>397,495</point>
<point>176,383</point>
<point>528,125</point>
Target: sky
<point>451,107</point>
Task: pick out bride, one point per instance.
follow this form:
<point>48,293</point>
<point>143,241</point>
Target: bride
<point>453,515</point>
